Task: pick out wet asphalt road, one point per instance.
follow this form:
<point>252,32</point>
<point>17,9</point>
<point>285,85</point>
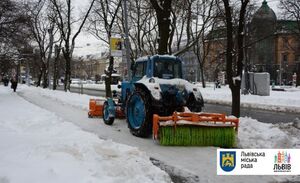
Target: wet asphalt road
<point>260,115</point>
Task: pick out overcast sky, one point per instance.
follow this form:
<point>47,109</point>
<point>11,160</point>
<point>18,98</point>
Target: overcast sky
<point>273,4</point>
<point>89,44</point>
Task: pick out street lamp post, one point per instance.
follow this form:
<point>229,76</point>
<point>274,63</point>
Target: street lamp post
<point>280,73</point>
<point>127,44</point>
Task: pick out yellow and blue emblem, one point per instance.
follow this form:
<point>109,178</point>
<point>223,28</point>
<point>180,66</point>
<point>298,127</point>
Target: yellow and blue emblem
<point>227,160</point>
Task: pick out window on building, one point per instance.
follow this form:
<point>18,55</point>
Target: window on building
<point>284,59</point>
<point>297,58</point>
<point>285,43</point>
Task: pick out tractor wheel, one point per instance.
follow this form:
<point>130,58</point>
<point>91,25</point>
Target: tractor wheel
<point>139,115</point>
<point>193,105</point>
<point>106,118</point>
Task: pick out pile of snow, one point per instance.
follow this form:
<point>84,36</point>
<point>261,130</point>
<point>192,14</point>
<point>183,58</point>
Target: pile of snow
<point>72,99</point>
<point>254,134</point>
<point>38,146</point>
<point>284,101</point>
<point>100,87</point>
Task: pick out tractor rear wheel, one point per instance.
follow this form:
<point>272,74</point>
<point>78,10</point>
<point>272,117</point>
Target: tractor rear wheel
<point>139,114</point>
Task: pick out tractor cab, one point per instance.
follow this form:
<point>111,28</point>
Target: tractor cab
<point>167,69</point>
<point>163,67</point>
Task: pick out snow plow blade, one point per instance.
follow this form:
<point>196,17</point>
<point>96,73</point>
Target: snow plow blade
<point>195,129</point>
<point>95,108</point>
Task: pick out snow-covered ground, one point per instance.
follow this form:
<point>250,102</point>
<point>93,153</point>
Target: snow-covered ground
<point>284,101</point>
<point>38,146</point>
<point>44,144</point>
<point>281,101</point>
<point>262,135</point>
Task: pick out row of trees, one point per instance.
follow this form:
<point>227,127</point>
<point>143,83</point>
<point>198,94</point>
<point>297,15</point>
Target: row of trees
<point>52,22</point>
<point>14,36</point>
<point>43,27</point>
<point>156,26</point>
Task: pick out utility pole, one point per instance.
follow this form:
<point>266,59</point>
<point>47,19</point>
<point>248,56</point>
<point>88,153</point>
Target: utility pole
<point>280,72</point>
<point>27,72</point>
<point>127,43</point>
<point>245,90</point>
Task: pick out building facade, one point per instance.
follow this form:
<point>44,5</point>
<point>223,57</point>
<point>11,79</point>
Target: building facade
<point>276,46</point>
<point>272,46</point>
<point>88,68</point>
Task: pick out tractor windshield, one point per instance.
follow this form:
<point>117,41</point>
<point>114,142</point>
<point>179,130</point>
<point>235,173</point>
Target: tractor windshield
<point>167,69</point>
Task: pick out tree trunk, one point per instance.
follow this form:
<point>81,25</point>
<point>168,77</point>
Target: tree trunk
<point>55,75</point>
<point>298,75</point>
<point>108,77</point>
<point>44,70</point>
<point>55,72</point>
<point>57,50</point>
<point>67,80</point>
<point>229,59</point>
<point>236,98</point>
<point>38,83</point>
<point>164,32</point>
<point>45,78</point>
<point>163,13</point>
<point>234,60</point>
<point>202,77</point>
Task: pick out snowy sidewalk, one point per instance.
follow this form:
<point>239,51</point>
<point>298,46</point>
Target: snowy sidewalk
<point>37,146</point>
<point>199,161</point>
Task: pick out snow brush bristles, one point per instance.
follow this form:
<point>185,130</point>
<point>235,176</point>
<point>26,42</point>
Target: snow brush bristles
<point>190,129</point>
<point>197,136</point>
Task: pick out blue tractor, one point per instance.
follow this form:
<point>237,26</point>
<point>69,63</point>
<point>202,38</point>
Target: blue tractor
<point>156,87</point>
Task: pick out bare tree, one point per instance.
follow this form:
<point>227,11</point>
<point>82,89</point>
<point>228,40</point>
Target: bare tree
<point>43,29</point>
<point>143,27</point>
<point>234,52</point>
<point>291,10</point>
<point>179,22</point>
<point>64,22</point>
<point>14,34</point>
<point>12,20</point>
<point>163,13</point>
<point>104,17</point>
<point>204,23</point>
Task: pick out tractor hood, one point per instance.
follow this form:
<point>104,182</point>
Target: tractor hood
<point>157,86</point>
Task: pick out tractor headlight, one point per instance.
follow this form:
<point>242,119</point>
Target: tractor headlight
<point>151,80</point>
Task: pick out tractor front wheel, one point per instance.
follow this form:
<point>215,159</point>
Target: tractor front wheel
<point>107,118</point>
<point>193,105</point>
<point>139,115</point>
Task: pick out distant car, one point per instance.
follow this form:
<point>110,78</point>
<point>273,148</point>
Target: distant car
<point>24,80</point>
<point>75,81</point>
<point>90,81</point>
<point>115,79</point>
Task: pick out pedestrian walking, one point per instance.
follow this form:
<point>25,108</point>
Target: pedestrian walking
<point>5,80</point>
<point>14,82</point>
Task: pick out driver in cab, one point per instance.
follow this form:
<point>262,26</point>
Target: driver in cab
<point>165,71</point>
